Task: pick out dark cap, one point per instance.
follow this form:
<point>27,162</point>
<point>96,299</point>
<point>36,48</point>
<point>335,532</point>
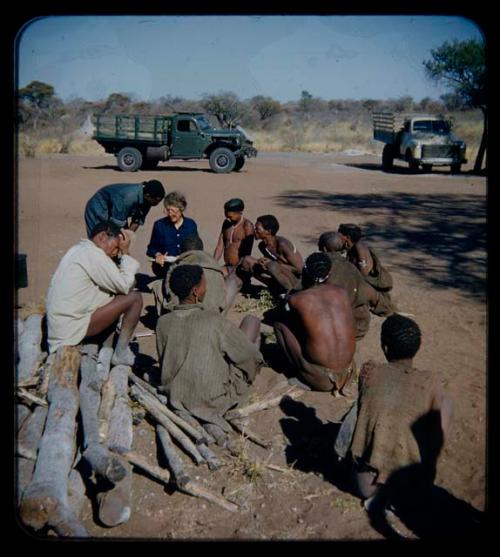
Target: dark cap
<point>234,205</point>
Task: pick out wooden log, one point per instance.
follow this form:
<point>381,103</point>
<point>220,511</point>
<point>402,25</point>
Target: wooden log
<point>151,405</point>
<point>262,405</point>
<point>102,461</point>
<point>24,473</point>
<point>45,373</point>
<point>212,461</point>
<point>195,432</point>
<point>30,434</point>
<point>115,504</point>
<point>182,480</point>
<point>76,491</point>
<point>29,349</point>
<point>154,471</point>
<point>174,460</point>
<point>23,394</point>
<point>243,429</point>
<point>22,412</point>
<point>107,390</point>
<point>45,501</point>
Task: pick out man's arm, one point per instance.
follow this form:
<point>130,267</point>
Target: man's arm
<point>219,248</point>
<point>444,404</point>
<point>246,245</point>
<point>292,256</point>
<point>365,261</point>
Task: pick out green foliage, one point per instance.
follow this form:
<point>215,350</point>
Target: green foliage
<point>37,94</point>
<point>461,65</point>
<point>226,107</point>
<point>266,107</point>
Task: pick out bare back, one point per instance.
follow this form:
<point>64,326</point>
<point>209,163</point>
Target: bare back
<point>323,324</point>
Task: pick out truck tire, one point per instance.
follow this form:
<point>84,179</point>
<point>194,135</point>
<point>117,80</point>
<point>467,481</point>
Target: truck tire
<point>129,159</point>
<point>387,157</point>
<point>427,168</point>
<point>413,165</point>
<point>456,168</point>
<point>240,161</point>
<point>222,160</point>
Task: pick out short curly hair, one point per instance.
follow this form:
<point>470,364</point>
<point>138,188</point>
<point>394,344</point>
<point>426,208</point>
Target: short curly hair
<point>402,337</point>
<point>317,266</point>
<point>269,222</point>
<point>351,231</point>
<point>175,199</point>
<point>184,278</point>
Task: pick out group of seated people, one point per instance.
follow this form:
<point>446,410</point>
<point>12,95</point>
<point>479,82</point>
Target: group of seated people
<point>207,362</point>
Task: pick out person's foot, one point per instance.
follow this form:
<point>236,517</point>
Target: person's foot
<point>123,357</point>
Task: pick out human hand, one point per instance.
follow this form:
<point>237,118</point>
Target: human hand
<point>263,261</point>
<point>124,240</point>
<point>160,258</point>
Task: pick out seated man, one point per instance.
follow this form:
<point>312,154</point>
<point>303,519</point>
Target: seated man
<point>396,429</point>
<point>280,267</point>
<point>317,336</point>
<point>89,292</point>
<point>207,363</point>
<point>365,258</point>
<point>236,237</point>
<point>363,297</point>
<point>221,290</point>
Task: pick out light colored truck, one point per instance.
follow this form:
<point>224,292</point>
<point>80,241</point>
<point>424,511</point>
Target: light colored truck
<point>420,140</point>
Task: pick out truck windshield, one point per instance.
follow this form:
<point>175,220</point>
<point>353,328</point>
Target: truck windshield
<point>431,126</point>
<point>203,123</point>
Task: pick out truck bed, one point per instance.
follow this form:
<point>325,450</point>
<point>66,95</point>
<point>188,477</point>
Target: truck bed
<point>384,127</point>
<point>153,129</point>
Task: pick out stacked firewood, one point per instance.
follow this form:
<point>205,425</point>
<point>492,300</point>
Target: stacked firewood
<point>74,414</point>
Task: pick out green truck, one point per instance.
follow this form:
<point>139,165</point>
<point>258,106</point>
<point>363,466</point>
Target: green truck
<point>141,142</point>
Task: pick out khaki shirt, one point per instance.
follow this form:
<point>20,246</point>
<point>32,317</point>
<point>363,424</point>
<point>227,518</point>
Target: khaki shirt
<point>86,279</point>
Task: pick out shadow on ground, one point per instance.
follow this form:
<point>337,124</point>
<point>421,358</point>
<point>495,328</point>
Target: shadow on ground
<point>310,443</point>
<point>157,169</point>
<point>442,236</point>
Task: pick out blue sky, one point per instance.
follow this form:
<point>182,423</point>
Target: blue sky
<point>333,57</point>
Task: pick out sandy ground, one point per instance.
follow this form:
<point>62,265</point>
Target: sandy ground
<point>430,231</point>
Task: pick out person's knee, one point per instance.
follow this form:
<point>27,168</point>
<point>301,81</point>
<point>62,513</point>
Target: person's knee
<point>246,264</point>
<point>135,298</point>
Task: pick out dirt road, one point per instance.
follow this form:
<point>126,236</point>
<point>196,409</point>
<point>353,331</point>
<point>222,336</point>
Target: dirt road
<point>430,231</point>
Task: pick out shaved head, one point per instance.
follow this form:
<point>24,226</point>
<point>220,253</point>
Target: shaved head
<point>330,242</point>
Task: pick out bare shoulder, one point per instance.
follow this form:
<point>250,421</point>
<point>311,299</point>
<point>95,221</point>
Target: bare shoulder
<point>248,225</point>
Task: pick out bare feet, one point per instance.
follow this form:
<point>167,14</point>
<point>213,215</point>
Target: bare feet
<point>123,357</point>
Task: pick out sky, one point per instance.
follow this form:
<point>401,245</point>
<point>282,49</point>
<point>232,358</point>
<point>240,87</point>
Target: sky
<point>147,57</point>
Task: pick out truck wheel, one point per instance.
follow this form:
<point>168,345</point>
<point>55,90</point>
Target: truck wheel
<point>456,168</point>
<point>413,164</point>
<point>240,161</point>
<point>387,157</point>
<point>129,159</point>
<point>427,168</point>
<point>222,160</point>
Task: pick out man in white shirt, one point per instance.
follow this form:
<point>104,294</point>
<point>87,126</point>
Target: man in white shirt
<point>89,292</point>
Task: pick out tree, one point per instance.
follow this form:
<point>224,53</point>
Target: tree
<point>36,97</point>
<point>305,101</point>
<point>266,107</point>
<point>118,102</point>
<point>226,107</point>
<point>461,66</point>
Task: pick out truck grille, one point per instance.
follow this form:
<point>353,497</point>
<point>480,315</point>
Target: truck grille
<point>440,151</point>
